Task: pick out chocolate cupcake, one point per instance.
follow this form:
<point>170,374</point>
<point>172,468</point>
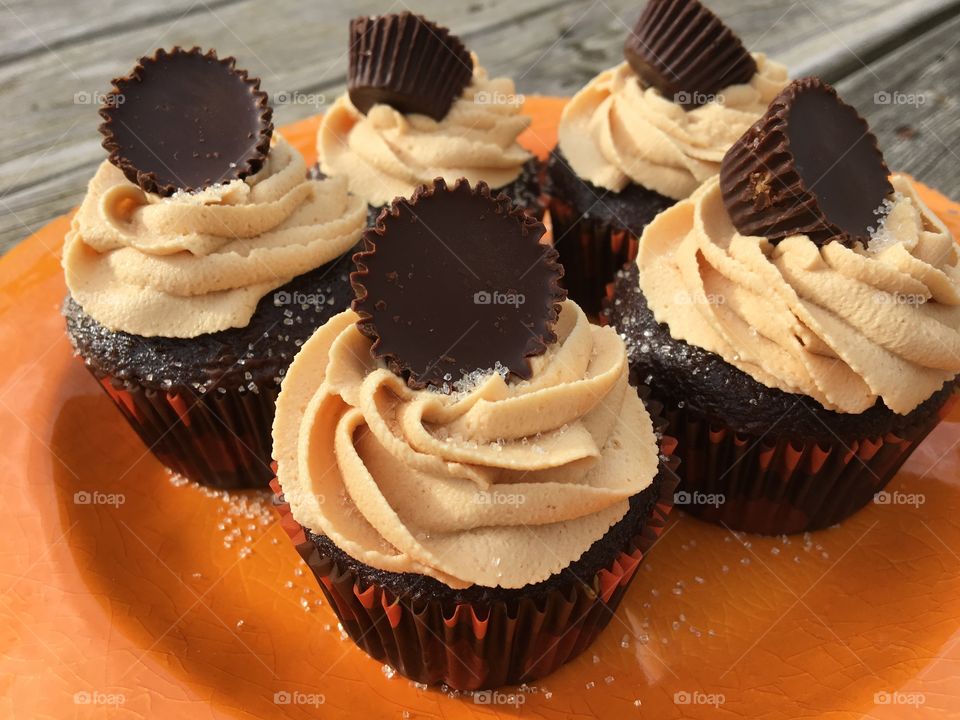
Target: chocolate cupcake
<point>460,459</point>
<point>418,106</point>
<point>799,318</point>
<point>199,261</point>
<point>645,134</point>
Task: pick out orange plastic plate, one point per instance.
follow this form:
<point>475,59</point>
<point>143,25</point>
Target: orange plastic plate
<point>124,595</point>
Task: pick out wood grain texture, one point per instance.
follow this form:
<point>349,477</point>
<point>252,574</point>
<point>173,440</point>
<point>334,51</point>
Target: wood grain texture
<point>55,57</point>
<point>911,98</point>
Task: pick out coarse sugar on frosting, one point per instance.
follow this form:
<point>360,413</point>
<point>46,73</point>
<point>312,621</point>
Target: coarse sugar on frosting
<point>842,325</point>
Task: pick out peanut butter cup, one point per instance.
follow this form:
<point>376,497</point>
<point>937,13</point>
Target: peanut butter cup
<point>809,166</point>
<point>453,281</point>
<point>185,120</point>
<point>406,61</point>
<point>685,51</point>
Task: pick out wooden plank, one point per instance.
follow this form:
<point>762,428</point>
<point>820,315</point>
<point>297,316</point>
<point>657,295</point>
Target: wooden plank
<point>912,100</point>
<point>297,47</point>
<point>837,52</point>
<point>822,36</point>
<point>549,47</point>
<point>37,26</point>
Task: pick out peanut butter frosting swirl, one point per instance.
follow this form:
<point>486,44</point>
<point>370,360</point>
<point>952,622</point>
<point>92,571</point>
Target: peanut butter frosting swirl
<point>385,154</point>
<point>496,485</point>
<point>618,131</point>
<point>841,325</point>
<point>200,262</point>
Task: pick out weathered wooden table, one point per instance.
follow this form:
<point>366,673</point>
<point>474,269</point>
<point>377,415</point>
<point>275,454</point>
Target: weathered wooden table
<point>898,61</point>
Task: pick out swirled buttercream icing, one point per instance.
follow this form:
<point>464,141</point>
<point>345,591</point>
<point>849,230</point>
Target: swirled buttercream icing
<point>385,154</point>
<point>842,325</point>
<point>618,131</point>
<point>200,262</point>
<point>499,484</point>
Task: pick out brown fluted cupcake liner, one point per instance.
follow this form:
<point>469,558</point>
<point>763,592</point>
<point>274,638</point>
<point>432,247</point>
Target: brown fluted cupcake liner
<point>780,485</point>
<point>592,251</point>
<point>407,62</point>
<point>681,48</point>
<point>473,647</point>
<point>218,439</point>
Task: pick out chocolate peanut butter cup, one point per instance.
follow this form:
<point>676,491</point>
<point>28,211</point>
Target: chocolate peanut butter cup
<point>685,51</point>
<point>809,166</point>
<point>453,281</point>
<point>406,61</point>
<point>185,120</point>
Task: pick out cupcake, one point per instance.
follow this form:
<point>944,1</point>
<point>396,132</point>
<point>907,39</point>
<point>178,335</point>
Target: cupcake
<point>419,105</point>
<point>799,318</point>
<point>200,261</point>
<point>462,462</point>
<point>646,133</point>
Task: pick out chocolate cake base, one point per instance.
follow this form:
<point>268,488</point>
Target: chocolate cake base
<point>756,458</point>
<point>416,588</point>
<point>204,406</point>
<point>595,230</point>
